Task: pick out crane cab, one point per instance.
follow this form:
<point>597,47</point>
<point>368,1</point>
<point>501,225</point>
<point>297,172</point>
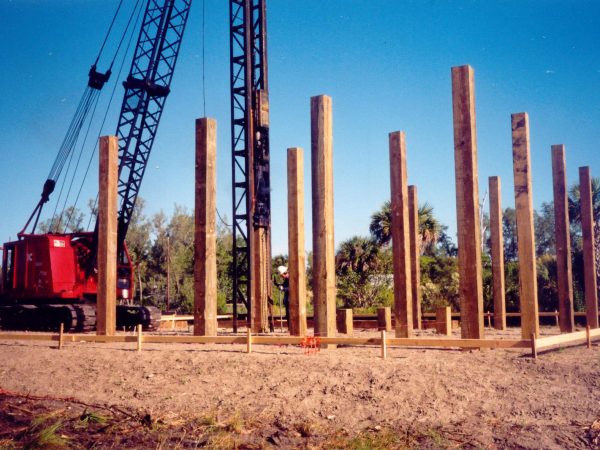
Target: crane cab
<point>44,268</point>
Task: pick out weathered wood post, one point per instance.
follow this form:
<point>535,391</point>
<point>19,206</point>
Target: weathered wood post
<point>106,307</point>
<point>443,320</point>
<point>589,259</point>
<point>564,273</point>
<point>467,203</point>
<point>525,234</point>
<point>205,229</point>
<point>497,242</point>
<point>415,255</point>
<point>324,288</point>
<point>296,250</point>
<point>384,318</point>
<point>403,307</point>
<point>344,319</point>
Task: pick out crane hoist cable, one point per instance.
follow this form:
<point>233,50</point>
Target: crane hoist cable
<point>87,105</point>
<point>131,33</point>
<point>112,94</point>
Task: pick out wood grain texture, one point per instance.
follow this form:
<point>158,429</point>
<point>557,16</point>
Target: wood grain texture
<point>205,229</point>
<point>564,273</point>
<point>344,319</point>
<point>324,287</point>
<point>589,257</point>
<point>296,242</point>
<point>403,306</point>
<point>467,203</point>
<point>415,255</point>
<point>443,319</point>
<point>497,253</point>
<point>106,307</point>
<point>525,233</point>
<point>384,318</point>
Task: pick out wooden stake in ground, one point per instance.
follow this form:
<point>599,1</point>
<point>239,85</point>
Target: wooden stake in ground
<point>563,241</point>
<point>106,306</point>
<point>415,255</point>
<point>467,203</point>
<point>324,289</point>
<point>525,235</point>
<point>589,260</point>
<point>296,249</point>
<point>497,242</point>
<point>205,229</point>
<point>403,305</point>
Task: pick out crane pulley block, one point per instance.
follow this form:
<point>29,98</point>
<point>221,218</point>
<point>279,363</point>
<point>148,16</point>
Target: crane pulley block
<point>97,79</point>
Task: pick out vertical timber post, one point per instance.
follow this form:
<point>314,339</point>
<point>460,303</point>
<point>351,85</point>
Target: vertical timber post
<point>296,250</point>
<point>205,233</point>
<point>497,242</point>
<point>324,288</point>
<point>467,203</point>
<point>106,314</point>
<point>563,240</point>
<point>384,318</point>
<point>443,320</point>
<point>403,304</point>
<point>344,319</point>
<point>589,259</point>
<point>415,255</point>
<point>525,234</point>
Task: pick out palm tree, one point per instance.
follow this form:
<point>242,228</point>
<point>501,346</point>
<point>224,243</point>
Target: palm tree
<point>430,228</point>
<point>575,214</point>
<point>357,254</point>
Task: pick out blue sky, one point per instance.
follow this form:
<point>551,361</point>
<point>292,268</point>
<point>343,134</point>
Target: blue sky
<point>386,64</point>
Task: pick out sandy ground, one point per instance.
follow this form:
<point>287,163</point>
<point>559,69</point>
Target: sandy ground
<point>489,399</point>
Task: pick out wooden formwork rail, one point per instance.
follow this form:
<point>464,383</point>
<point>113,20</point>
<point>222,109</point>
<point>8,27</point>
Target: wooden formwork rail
<point>139,338</point>
<point>270,340</point>
<point>578,337</point>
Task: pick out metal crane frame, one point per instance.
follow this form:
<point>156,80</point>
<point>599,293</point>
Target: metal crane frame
<point>249,140</point>
<point>146,90</point>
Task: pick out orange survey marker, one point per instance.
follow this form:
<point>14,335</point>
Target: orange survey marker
<point>311,345</point>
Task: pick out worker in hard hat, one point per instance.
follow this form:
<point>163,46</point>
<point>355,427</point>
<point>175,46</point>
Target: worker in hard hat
<point>284,287</point>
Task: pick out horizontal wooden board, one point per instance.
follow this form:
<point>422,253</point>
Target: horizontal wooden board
<point>568,338</point>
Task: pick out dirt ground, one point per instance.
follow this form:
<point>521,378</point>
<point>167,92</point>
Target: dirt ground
<point>217,396</point>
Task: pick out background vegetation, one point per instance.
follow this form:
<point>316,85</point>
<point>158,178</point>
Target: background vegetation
<point>161,246</point>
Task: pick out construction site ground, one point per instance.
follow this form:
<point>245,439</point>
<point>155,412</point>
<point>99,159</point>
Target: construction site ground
<point>217,396</point>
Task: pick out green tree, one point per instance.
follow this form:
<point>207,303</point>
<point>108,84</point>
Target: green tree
<point>362,275</point>
<point>430,228</point>
<point>509,234</point>
<point>544,229</point>
<point>70,221</point>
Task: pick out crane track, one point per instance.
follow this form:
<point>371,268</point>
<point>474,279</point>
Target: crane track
<point>76,318</point>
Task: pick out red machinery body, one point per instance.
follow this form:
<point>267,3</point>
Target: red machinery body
<point>56,268</point>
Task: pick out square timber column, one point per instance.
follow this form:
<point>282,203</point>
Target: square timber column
<point>205,229</point>
<point>403,304</point>
<point>106,305</point>
<point>564,272</point>
<point>415,255</point>
<point>467,203</point>
<point>589,258</point>
<point>324,288</point>
<point>525,234</point>
<point>497,241</point>
<point>296,244</point>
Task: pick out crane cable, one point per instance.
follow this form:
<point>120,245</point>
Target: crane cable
<point>88,103</point>
<point>121,66</point>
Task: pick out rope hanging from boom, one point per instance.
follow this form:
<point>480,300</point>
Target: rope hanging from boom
<point>87,104</point>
